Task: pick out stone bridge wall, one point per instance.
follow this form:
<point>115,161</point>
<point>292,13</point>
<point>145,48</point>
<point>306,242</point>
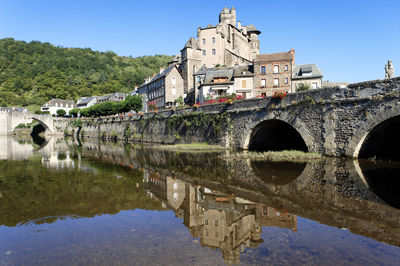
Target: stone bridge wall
<point>11,117</point>
<point>331,121</point>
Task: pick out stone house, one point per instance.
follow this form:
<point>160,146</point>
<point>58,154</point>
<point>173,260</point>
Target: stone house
<point>217,82</point>
<point>273,72</point>
<point>243,81</point>
<point>55,104</point>
<point>163,89</point>
<point>309,75</point>
<point>226,44</point>
<point>214,82</point>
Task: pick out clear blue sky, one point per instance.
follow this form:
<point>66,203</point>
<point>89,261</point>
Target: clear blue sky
<point>349,40</point>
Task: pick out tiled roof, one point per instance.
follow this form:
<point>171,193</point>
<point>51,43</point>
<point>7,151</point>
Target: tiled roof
<point>274,57</point>
<point>52,102</point>
<point>162,74</point>
<point>243,71</point>
<point>306,72</point>
<point>86,100</point>
<point>219,73</point>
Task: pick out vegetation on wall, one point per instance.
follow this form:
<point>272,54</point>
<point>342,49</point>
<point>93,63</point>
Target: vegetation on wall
<point>134,103</point>
<point>32,73</point>
<point>303,87</point>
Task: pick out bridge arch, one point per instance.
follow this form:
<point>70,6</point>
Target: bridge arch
<point>378,137</point>
<point>290,132</point>
<point>45,122</point>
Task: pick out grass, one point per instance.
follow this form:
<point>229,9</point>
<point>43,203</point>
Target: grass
<point>32,108</point>
<point>190,147</point>
<point>278,156</point>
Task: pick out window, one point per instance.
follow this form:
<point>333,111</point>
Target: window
<point>213,39</point>
<point>263,83</point>
<point>276,69</point>
<point>286,67</point>
<point>286,80</point>
<point>244,84</point>
<point>276,82</point>
<point>216,234</point>
<point>175,196</point>
<point>216,222</point>
<point>213,52</point>
<point>264,211</point>
<point>262,69</point>
<point>204,52</point>
<point>173,81</point>
<point>204,41</point>
<point>206,221</point>
<point>314,85</point>
<point>173,90</point>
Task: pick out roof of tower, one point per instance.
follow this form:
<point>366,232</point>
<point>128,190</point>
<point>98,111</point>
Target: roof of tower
<point>225,10</point>
<point>252,28</point>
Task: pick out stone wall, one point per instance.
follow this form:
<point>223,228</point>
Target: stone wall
<point>331,121</point>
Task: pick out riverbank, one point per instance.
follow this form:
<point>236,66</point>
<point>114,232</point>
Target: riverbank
<point>193,147</point>
<point>277,156</point>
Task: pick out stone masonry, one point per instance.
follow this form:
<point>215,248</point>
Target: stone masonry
<point>332,122</point>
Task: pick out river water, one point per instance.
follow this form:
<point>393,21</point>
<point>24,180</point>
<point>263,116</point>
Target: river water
<point>93,203</point>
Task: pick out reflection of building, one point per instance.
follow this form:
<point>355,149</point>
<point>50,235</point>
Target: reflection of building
<point>229,223</point>
<point>58,161</point>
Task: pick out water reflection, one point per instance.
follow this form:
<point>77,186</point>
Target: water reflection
<point>277,173</point>
<point>384,179</point>
<point>227,204</point>
<point>227,222</point>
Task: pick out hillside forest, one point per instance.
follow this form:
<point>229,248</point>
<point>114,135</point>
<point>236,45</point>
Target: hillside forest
<point>35,72</point>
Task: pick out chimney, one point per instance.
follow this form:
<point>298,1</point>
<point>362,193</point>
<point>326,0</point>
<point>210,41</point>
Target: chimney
<point>161,70</point>
<point>239,25</point>
<point>292,51</point>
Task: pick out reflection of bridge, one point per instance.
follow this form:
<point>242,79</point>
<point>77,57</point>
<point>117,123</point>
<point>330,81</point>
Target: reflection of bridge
<point>332,192</point>
<point>10,118</point>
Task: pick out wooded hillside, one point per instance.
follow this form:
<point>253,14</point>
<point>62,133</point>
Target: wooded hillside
<point>33,73</point>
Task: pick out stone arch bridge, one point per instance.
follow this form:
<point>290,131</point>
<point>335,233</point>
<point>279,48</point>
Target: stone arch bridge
<point>11,117</point>
<point>362,120</point>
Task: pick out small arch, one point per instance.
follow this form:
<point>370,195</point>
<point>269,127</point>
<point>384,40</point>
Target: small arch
<point>275,135</point>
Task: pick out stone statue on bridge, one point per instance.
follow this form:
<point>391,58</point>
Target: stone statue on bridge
<point>389,70</point>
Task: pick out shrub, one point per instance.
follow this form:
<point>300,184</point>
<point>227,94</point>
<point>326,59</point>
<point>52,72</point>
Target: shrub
<point>302,87</point>
<point>61,112</point>
<point>74,112</point>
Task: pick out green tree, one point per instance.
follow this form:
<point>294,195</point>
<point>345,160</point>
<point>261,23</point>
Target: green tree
<point>74,112</point>
<point>61,112</point>
<point>134,103</point>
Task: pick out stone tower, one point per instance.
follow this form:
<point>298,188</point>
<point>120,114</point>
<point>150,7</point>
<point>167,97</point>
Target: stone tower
<point>226,44</point>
